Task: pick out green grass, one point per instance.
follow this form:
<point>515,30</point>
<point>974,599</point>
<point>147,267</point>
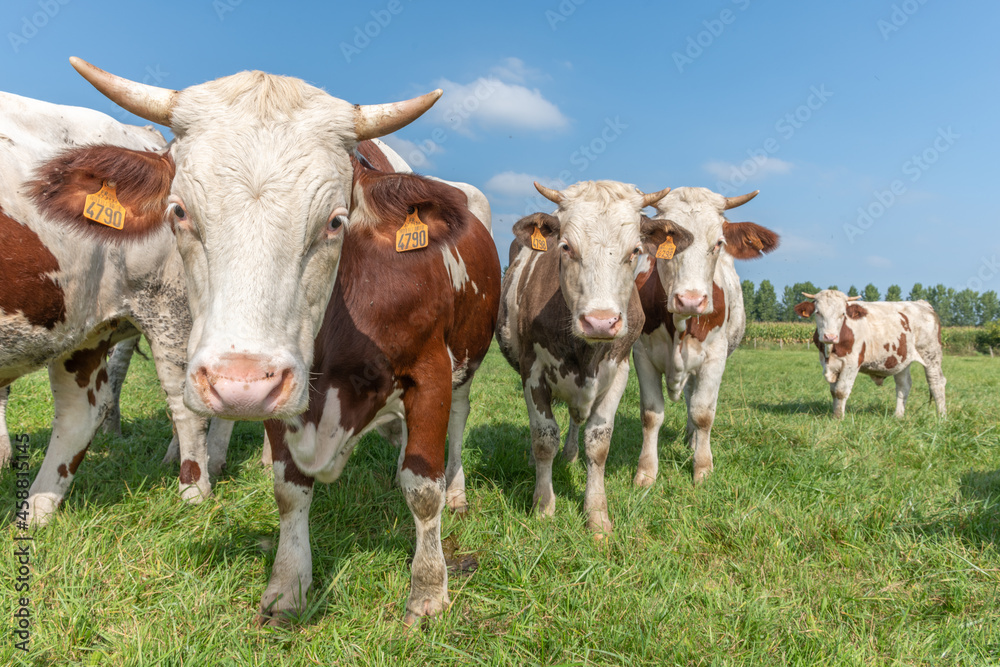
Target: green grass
<point>870,541</point>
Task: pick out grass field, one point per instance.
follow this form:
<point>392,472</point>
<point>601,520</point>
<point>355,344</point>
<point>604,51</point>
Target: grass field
<point>870,541</point>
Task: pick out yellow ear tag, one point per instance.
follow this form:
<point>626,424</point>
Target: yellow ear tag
<point>666,249</point>
<point>412,235</point>
<point>103,207</point>
<point>538,241</point>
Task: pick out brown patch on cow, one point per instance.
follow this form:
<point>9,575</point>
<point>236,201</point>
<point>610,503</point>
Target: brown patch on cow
<point>703,420</point>
<point>142,183</point>
<point>63,471</point>
<point>91,398</point>
<point>701,326</point>
<point>654,307</point>
<point>861,354</point>
<point>102,377</point>
<point>856,311</point>
<point>805,309</point>
<point>845,345</point>
<point>648,419</point>
<point>190,471</point>
<point>541,396</point>
<point>26,266</point>
<point>901,347</point>
<point>75,463</point>
<point>887,346</point>
<point>891,362</point>
<point>84,362</point>
<point>279,452</point>
<point>374,156</point>
<point>905,321</point>
<point>748,240</point>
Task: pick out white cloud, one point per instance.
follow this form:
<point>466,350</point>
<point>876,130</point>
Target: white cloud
<point>749,168</point>
<point>416,155</point>
<point>514,184</point>
<point>877,262</point>
<point>802,247</point>
<point>515,71</point>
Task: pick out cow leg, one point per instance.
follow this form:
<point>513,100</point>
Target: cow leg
<point>80,390</point>
<point>455,475</point>
<point>571,446</point>
<point>702,400</point>
<point>191,428</point>
<point>544,444</point>
<point>5,451</point>
<point>266,456</point>
<point>422,479</point>
<point>219,433</point>
<point>651,400</point>
<point>118,363</point>
<point>841,389</point>
<point>596,444</point>
<point>903,383</point>
<point>291,574</point>
<point>936,382</point>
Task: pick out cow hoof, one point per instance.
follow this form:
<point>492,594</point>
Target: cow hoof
<point>545,506</point>
<point>458,504</point>
<point>41,508</point>
<point>600,525</point>
<point>700,475</point>
<point>643,479</point>
<point>571,455</point>
<point>193,495</point>
<point>423,608</point>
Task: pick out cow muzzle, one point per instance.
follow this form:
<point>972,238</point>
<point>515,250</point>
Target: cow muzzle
<point>690,303</point>
<point>601,324</point>
<point>829,338</point>
<point>244,386</point>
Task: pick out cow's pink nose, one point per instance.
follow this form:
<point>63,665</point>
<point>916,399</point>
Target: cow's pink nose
<point>601,324</point>
<point>243,386</point>
<point>830,338</point>
<point>690,303</point>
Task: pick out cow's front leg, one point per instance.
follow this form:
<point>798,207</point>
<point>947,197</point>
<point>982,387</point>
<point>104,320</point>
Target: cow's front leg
<point>79,391</point>
<point>5,450</point>
<point>903,384</point>
<point>571,446</point>
<point>291,574</point>
<point>596,444</point>
<point>422,479</point>
<point>118,363</point>
<point>651,400</point>
<point>702,400</point>
<point>544,443</point>
<point>455,474</point>
<point>841,389</point>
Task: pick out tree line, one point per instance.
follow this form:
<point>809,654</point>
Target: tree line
<point>963,308</point>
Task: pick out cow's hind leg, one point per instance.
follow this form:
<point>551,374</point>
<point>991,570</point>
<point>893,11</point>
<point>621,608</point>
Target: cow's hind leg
<point>5,451</point>
<point>118,363</point>
<point>651,400</point>
<point>79,391</point>
<point>544,445</point>
<point>455,474</point>
<point>597,443</point>
<point>291,574</point>
<point>422,479</point>
<point>841,389</point>
<point>903,384</point>
<point>936,382</point>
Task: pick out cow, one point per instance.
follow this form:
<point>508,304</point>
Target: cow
<point>262,198</point>
<point>67,298</point>
<point>569,313</point>
<point>694,319</point>
<point>877,338</point>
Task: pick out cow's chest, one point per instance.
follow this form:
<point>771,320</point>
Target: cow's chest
<point>321,449</point>
<point>579,388</point>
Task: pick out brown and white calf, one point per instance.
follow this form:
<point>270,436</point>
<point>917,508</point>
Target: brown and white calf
<point>694,319</point>
<point>569,313</point>
<point>66,298</point>
<point>287,311</point>
<point>879,339</point>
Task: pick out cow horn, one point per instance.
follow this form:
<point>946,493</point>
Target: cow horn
<point>149,102</point>
<point>376,120</point>
<point>808,295</point>
<point>653,198</point>
<point>853,298</point>
<point>733,202</point>
<point>553,196</point>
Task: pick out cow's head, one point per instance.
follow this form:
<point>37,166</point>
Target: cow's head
<point>688,280</point>
<point>831,309</point>
<point>259,203</point>
<point>599,235</point>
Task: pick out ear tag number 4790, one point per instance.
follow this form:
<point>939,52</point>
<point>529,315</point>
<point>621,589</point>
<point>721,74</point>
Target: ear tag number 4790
<point>103,207</point>
<point>412,235</point>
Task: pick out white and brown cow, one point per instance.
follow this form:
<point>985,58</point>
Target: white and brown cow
<point>569,314</point>
<point>879,339</point>
<point>296,288</point>
<point>694,319</point>
<point>65,299</point>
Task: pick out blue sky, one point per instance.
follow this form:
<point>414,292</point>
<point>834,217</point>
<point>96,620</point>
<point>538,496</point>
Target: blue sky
<point>870,127</point>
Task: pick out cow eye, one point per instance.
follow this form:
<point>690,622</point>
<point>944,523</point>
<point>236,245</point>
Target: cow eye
<point>336,222</point>
<point>179,212</point>
<point>635,253</point>
<point>566,248</point>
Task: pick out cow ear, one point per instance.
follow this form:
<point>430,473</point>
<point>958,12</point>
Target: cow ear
<point>547,224</point>
<point>805,309</point>
<point>747,240</point>
<point>654,232</point>
<point>855,311</point>
<point>141,182</point>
